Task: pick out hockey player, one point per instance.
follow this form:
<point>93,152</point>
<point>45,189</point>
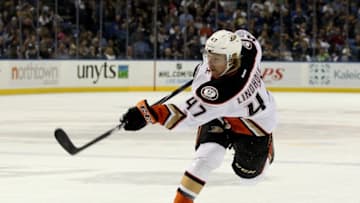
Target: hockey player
<point>231,108</point>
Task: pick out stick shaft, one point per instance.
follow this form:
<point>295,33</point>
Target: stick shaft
<point>64,140</point>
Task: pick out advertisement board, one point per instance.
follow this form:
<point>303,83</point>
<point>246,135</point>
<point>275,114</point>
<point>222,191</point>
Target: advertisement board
<point>29,74</point>
<point>46,76</point>
<point>18,76</point>
<point>99,73</point>
<point>274,74</point>
<point>174,73</point>
<point>283,74</point>
<point>334,75</point>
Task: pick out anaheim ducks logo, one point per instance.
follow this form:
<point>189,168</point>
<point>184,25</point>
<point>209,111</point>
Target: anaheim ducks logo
<point>210,93</point>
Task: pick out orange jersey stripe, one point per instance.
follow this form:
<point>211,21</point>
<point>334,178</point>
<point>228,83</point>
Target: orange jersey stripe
<point>238,126</point>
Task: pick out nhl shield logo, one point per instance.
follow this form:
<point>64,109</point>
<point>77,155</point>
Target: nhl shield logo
<point>210,93</point>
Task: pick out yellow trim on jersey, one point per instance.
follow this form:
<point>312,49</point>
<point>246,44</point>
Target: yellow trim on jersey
<point>175,116</point>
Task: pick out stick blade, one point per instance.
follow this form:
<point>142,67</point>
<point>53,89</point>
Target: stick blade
<point>64,140</point>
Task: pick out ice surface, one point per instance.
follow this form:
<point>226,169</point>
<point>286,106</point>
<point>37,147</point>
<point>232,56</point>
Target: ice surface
<point>317,146</point>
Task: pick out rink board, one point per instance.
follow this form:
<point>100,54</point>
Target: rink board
<point>57,76</point>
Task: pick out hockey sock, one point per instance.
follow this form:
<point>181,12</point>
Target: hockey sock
<point>181,197</point>
<point>189,188</point>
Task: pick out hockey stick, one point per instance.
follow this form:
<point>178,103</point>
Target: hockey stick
<point>64,140</point>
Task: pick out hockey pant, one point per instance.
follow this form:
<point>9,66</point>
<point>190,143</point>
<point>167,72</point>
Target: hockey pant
<point>251,156</point>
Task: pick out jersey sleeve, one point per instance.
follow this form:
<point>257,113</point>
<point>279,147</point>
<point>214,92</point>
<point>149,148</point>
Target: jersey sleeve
<point>191,113</point>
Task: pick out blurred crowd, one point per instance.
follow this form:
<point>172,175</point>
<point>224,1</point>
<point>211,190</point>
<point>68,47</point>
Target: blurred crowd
<point>299,30</point>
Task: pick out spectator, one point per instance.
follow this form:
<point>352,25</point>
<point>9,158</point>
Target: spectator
<point>185,17</point>
<point>109,53</point>
<point>323,55</point>
<point>62,51</point>
<point>205,32</point>
<point>336,24</point>
<point>31,52</point>
<point>141,48</point>
<point>168,54</point>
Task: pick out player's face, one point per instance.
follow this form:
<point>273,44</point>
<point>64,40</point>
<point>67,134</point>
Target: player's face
<point>217,64</point>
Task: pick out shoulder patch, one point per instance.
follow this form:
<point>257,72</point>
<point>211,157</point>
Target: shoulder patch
<point>221,90</point>
<point>209,93</point>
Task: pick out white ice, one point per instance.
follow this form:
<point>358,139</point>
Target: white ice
<point>317,153</point>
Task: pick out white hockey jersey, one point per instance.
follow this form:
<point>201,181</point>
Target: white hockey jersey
<point>241,98</point>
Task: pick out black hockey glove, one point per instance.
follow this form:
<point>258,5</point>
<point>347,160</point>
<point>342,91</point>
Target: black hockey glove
<point>133,119</point>
<point>137,117</point>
